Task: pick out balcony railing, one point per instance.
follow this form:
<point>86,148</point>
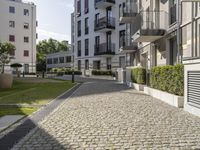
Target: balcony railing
<point>104,49</point>
<point>104,24</point>
<point>103,3</point>
<point>127,45</point>
<point>128,13</point>
<point>150,26</point>
<point>173,14</point>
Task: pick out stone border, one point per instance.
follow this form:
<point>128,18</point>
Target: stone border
<point>174,100</point>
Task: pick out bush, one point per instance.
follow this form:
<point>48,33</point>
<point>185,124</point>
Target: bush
<point>101,73</point>
<point>138,75</point>
<point>168,78</point>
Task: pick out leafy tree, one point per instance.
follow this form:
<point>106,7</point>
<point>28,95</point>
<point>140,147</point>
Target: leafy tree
<point>47,47</point>
<point>6,50</point>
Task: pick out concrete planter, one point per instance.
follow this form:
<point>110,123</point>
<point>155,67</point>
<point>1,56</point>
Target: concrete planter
<point>6,81</point>
<point>138,87</point>
<point>174,100</point>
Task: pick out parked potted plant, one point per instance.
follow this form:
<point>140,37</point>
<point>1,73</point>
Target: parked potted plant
<point>16,66</point>
<point>6,50</point>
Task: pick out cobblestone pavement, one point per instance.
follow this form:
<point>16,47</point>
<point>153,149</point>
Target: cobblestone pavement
<point>110,116</point>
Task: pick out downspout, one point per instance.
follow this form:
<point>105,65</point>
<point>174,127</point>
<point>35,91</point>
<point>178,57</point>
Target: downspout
<point>178,29</point>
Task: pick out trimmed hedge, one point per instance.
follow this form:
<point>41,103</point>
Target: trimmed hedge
<point>168,78</point>
<point>101,73</point>
<point>138,75</point>
<point>64,71</point>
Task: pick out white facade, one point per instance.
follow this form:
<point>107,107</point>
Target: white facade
<point>104,58</point>
<point>18,26</point>
<point>60,60</point>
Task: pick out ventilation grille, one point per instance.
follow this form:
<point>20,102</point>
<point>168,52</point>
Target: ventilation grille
<point>194,87</point>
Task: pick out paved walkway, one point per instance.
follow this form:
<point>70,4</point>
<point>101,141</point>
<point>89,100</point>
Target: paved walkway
<point>106,115</point>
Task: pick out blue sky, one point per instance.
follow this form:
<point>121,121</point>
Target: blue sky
<point>54,19</point>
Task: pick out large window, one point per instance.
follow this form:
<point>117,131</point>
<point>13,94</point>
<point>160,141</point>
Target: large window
<point>68,59</point>
<point>12,24</point>
<point>11,38</point>
<point>86,6</point>
<point>86,26</point>
<point>122,38</point>
<point>79,28</point>
<point>26,12</point>
<point>12,9</point>
<point>49,61</point>
<point>79,65</point>
<point>61,60</point>
<point>26,53</point>
<point>79,8</point>
<point>86,47</point>
<point>79,48</point>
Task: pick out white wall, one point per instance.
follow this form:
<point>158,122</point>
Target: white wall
<point>19,31</point>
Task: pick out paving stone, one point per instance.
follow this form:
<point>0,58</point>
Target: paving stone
<point>106,115</point>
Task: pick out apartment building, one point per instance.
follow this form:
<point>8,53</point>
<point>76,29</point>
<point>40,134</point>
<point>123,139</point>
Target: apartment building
<point>167,33</point>
<point>60,60</point>
<point>100,36</point>
<point>18,26</point>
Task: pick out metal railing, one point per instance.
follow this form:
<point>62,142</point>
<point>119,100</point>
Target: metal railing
<point>104,49</point>
<point>151,20</point>
<point>109,1</point>
<point>105,22</point>
<point>127,43</point>
<point>130,10</point>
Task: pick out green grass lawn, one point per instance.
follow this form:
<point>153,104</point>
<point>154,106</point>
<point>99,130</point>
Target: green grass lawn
<point>33,93</point>
<point>8,110</point>
<point>37,93</point>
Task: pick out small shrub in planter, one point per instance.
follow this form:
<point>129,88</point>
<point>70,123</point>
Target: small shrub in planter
<point>168,78</point>
<point>138,75</point>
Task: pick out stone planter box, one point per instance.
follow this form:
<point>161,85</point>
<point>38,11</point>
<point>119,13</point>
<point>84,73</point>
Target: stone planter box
<point>174,100</point>
<point>138,87</point>
<point>6,81</point>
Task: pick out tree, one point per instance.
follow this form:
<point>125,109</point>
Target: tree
<point>6,50</point>
<point>46,47</point>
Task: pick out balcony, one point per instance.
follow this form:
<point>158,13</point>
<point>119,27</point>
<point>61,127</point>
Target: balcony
<point>104,49</point>
<point>128,14</point>
<point>104,24</point>
<point>126,44</point>
<point>102,4</point>
<point>150,26</point>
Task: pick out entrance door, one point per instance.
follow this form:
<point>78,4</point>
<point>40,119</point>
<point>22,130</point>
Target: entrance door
<point>26,68</point>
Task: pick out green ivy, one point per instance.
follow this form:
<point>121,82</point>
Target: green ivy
<point>168,78</point>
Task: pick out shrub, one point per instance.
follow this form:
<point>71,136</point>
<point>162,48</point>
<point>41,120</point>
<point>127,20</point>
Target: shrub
<point>101,73</point>
<point>138,75</point>
<point>168,78</point>
<point>60,73</point>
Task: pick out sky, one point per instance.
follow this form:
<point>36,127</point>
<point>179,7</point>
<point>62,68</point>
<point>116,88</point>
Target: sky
<point>54,19</point>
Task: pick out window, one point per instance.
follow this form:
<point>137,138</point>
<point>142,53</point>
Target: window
<point>86,6</point>
<point>11,38</point>
<point>61,59</point>
<point>79,28</point>
<point>49,61</point>
<point>26,39</point>
<point>96,19</point>
<point>86,26</point>
<point>87,64</point>
<point>55,60</point>
<point>12,24</point>
<point>26,26</point>
<point>12,9</point>
<point>26,53</point>
<point>79,8</point>
<point>121,38</point>
<point>79,48</point>
<point>26,12</point>
<point>86,47</point>
<point>68,59</point>
<point>79,65</point>
<point>97,43</point>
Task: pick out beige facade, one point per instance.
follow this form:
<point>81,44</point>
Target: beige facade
<point>18,26</point>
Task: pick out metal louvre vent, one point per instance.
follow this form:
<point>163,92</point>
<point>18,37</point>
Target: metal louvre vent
<point>194,87</point>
